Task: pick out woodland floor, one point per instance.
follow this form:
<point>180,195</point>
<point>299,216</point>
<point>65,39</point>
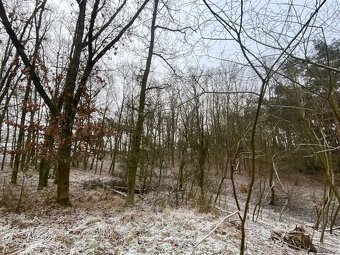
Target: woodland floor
<point>99,223</point>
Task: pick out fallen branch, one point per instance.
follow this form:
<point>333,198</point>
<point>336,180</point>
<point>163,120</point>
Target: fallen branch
<point>335,228</point>
<point>212,231</point>
<point>115,191</point>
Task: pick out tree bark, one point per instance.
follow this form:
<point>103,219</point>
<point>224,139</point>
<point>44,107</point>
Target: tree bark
<point>64,151</point>
<point>134,153</point>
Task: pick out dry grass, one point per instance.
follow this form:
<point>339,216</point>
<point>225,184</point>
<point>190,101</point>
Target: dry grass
<point>99,223</point>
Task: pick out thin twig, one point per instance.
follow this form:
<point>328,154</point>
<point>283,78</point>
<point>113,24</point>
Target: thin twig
<point>21,192</point>
<point>283,208</point>
<point>277,175</point>
<point>212,231</point>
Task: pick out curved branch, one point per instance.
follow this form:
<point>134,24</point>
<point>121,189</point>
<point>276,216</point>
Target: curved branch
<point>29,66</point>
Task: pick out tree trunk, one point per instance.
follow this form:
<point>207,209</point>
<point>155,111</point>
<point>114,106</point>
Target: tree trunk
<point>19,147</point>
<point>64,163</point>
<point>134,153</point>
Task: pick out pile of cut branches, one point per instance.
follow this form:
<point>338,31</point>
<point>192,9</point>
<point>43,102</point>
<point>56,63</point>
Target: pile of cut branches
<point>296,238</point>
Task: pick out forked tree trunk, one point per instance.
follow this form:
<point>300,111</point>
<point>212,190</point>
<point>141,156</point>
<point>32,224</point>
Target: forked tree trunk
<point>47,153</point>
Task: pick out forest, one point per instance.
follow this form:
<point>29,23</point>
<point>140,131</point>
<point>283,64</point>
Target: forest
<point>169,127</point>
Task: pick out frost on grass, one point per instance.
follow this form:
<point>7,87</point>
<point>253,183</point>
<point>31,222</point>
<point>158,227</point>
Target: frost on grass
<point>98,223</point>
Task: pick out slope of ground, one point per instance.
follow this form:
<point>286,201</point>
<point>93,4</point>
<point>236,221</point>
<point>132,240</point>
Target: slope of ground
<point>98,223</point>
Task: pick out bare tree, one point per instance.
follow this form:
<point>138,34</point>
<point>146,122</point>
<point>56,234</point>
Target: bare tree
<point>134,153</point>
<point>237,29</point>
<point>75,81</point>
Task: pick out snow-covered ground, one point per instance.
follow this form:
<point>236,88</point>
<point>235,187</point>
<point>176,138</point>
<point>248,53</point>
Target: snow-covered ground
<point>99,223</point>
